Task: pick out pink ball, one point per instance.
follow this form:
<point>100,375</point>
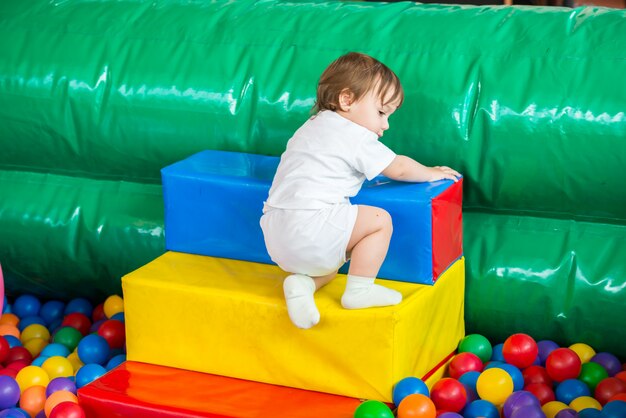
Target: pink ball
<point>520,350</point>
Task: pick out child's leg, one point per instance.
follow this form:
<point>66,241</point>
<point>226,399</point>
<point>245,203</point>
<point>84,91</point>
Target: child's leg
<point>299,290</point>
<point>368,247</point>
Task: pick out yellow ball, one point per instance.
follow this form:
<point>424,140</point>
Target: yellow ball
<point>494,385</point>
<point>31,376</point>
<point>584,402</point>
<point>75,361</point>
<point>57,366</point>
<point>35,331</point>
<point>552,408</point>
<point>585,352</point>
<point>35,345</point>
<point>112,305</point>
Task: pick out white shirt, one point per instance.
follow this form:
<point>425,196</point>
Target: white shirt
<point>326,162</point>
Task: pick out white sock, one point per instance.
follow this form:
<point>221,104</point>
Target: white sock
<point>361,292</point>
<point>299,290</point>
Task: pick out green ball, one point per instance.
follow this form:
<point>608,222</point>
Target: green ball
<point>373,409</point>
<point>592,373</point>
<point>476,344</point>
<point>68,336</point>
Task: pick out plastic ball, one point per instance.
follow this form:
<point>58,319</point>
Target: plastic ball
<point>9,392</point>
<point>51,311</point>
<point>77,320</point>
<point>7,329</point>
<point>373,409</point>
<point>584,351</point>
<point>13,341</point>
<point>463,363</point>
<point>405,387</point>
<point>589,413</point>
<point>536,374</point>
<point>621,376</point>
<point>119,316</point>
<point>615,409</point>
<point>93,349</point>
<point>61,383</point>
<point>121,358</point>
<point>618,397</point>
<point>553,408</point>
<point>9,319</point>
<point>528,411</point>
<point>80,305</point>
<point>449,395</point>
<point>494,385</point>
<point>469,379</point>
<point>14,413</point>
<point>68,336</point>
<point>26,305</point>
<point>30,320</point>
<point>58,366</point>
<point>38,361</point>
<point>98,313</point>
<point>35,331</point>
<point>88,373</point>
<point>520,350</point>
<point>449,415</point>
<point>542,392</point>
<point>607,388</point>
<point>566,413</point>
<point>496,354</point>
<point>545,347</point>
<point>114,332</point>
<point>112,305</point>
<point>478,345</point>
<point>4,349</point>
<point>31,376</point>
<point>67,410</point>
<point>481,409</point>
<point>76,363</point>
<point>570,389</point>
<point>35,346</point>
<point>563,364</point>
<point>55,349</point>
<point>584,402</point>
<point>517,400</point>
<point>416,406</point>
<point>592,373</point>
<point>610,363</point>
<point>58,397</point>
<point>516,375</point>
<point>33,399</point>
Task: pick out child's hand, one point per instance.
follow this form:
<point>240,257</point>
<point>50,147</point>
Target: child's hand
<point>441,172</point>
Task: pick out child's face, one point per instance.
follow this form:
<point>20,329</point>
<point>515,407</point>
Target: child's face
<point>370,112</point>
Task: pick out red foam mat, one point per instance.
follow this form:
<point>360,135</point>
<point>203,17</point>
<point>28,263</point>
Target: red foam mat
<point>139,390</point>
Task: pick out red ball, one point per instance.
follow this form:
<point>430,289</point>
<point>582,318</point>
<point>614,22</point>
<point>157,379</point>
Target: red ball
<point>98,313</point>
<point>449,394</point>
<point>113,332</point>
<point>77,321</point>
<point>9,372</point>
<point>520,350</point>
<point>67,409</point>
<point>464,362</point>
<point>536,374</point>
<point>4,349</point>
<point>618,397</point>
<point>563,364</point>
<point>607,388</point>
<point>542,391</point>
<point>18,353</point>
<point>621,376</point>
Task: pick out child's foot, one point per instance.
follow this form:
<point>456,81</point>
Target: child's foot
<point>361,292</point>
<point>299,290</point>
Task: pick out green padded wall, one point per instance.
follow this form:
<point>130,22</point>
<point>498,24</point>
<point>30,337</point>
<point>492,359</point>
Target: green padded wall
<point>97,95</point>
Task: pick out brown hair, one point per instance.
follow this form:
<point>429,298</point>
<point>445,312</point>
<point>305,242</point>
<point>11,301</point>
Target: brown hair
<point>359,73</point>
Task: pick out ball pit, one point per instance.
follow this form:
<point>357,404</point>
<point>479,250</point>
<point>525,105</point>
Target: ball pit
<point>40,366</point>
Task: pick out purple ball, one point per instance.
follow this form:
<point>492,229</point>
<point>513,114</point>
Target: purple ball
<point>545,348</point>
<point>609,362</point>
<point>566,413</point>
<point>528,411</point>
<point>518,400</point>
<point>60,383</point>
<point>450,415</point>
<point>9,392</point>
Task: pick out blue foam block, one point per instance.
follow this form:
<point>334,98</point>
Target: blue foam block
<point>214,200</point>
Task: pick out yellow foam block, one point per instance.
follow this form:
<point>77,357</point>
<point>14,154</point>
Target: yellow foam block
<point>228,317</point>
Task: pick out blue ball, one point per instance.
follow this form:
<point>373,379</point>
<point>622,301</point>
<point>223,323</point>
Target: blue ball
<point>409,386</point>
<point>118,316</point>
<point>589,413</point>
<point>570,389</point>
<point>80,305</point>
<point>496,354</point>
<point>481,408</point>
<point>614,409</point>
<point>88,373</point>
<point>516,375</point>
<point>38,361</point>
<point>29,320</point>
<point>93,349</point>
<point>26,305</point>
<point>116,361</point>
<point>13,341</point>
<point>52,310</point>
<point>55,349</point>
<point>469,379</point>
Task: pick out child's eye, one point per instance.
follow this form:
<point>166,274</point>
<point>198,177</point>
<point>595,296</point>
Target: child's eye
<point>381,113</point>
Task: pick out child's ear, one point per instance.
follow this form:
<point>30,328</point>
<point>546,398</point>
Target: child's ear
<point>345,99</point>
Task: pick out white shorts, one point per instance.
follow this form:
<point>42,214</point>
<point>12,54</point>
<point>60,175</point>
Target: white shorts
<point>312,241</point>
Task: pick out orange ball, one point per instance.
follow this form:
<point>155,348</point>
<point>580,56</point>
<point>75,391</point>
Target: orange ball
<point>9,319</point>
<point>56,398</point>
<point>33,400</point>
<point>416,406</point>
<point>7,329</point>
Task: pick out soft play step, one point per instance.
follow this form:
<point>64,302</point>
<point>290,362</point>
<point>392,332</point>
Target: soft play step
<point>139,390</point>
<point>228,317</point>
<point>214,200</point>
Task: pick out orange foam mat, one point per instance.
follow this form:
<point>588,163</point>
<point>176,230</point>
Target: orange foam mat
<point>140,390</point>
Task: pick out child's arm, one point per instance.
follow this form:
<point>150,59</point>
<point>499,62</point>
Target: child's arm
<point>404,168</point>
